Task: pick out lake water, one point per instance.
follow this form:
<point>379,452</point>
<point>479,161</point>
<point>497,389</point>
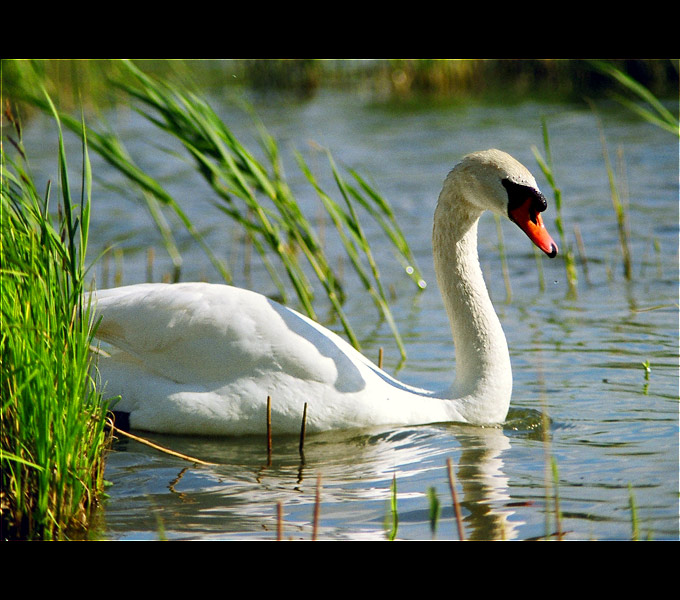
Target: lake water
<point>612,432</point>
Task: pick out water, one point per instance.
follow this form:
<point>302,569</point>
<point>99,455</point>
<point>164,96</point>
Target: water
<point>612,432</point>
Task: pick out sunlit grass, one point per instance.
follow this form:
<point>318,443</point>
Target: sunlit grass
<point>53,436</point>
<point>546,166</point>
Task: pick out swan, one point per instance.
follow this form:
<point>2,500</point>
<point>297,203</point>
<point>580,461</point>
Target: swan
<point>200,358</point>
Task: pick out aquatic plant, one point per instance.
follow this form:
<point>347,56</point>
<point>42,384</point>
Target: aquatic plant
<point>257,197</point>
<point>52,419</point>
<point>435,509</point>
<point>619,210</point>
<point>646,365</point>
<point>392,519</point>
<point>546,166</point>
<point>635,526</point>
<point>647,106</point>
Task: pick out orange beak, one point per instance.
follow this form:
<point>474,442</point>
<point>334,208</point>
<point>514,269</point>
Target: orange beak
<point>530,222</point>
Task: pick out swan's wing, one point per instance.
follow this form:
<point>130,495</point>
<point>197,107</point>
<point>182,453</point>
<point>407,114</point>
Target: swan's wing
<point>202,333</point>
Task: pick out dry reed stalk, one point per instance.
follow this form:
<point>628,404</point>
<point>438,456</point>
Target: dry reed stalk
<point>317,508</point>
<point>582,252</point>
<point>303,431</point>
<point>157,447</point>
<point>456,506</point>
<point>279,521</point>
<point>269,429</point>
<point>150,256</point>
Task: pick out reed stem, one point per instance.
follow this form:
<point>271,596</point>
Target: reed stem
<point>546,167</point>
<point>317,508</point>
<point>303,431</point>
<point>454,497</point>
<point>269,429</point>
<point>162,449</point>
<point>279,521</point>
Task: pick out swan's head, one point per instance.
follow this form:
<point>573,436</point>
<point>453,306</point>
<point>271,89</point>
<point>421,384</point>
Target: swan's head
<point>493,180</point>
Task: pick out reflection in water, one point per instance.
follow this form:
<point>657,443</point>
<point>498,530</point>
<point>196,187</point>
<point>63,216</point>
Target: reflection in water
<point>238,497</point>
<point>485,485</point>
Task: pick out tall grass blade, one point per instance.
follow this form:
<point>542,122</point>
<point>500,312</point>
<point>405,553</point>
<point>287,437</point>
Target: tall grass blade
<point>652,109</point>
<point>393,523</point>
<point>373,283</point>
<point>435,509</point>
<point>558,513</point>
<point>111,149</point>
<point>52,419</point>
<point>382,212</point>
<point>256,196</point>
<point>619,207</point>
<point>635,526</point>
<point>546,167</point>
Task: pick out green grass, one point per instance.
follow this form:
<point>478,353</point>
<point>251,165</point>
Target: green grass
<point>52,421</point>
<point>620,210</point>
<point>254,194</point>
<point>392,519</point>
<point>546,166</point>
<point>644,102</point>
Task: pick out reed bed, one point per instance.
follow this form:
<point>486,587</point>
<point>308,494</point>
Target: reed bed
<point>53,436</point>
<point>399,81</point>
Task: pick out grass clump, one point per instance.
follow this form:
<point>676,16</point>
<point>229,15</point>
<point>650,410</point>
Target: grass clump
<point>53,436</point>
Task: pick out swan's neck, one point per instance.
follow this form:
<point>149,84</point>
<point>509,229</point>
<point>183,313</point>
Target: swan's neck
<point>483,373</point>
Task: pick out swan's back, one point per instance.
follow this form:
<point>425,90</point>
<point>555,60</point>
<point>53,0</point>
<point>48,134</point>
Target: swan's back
<point>212,334</point>
<point>202,358</point>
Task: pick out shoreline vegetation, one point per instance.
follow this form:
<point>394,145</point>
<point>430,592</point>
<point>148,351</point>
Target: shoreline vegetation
<point>54,435</point>
<point>72,82</point>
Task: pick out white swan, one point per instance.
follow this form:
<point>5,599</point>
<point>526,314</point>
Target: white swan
<point>198,358</point>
